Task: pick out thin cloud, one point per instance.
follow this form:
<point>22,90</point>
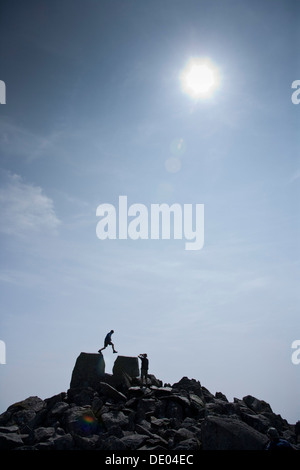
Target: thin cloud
<point>25,209</point>
<point>18,141</point>
<point>295,176</point>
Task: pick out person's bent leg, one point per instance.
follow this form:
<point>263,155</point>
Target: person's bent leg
<point>104,347</point>
<point>113,347</point>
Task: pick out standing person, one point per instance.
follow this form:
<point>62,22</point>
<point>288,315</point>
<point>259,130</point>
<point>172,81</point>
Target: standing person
<point>108,341</point>
<point>144,367</point>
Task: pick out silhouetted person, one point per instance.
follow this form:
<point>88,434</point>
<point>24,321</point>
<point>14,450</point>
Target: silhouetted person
<point>277,443</point>
<point>108,341</point>
<point>144,367</point>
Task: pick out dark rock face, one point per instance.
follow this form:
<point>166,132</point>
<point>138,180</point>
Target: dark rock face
<point>126,365</point>
<point>89,368</point>
<point>113,412</point>
<point>229,433</point>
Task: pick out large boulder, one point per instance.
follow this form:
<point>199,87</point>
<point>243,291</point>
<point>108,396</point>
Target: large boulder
<point>125,365</point>
<point>224,433</point>
<point>88,371</point>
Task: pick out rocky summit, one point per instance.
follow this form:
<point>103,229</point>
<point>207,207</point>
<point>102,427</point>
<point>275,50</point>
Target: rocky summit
<point>113,412</point>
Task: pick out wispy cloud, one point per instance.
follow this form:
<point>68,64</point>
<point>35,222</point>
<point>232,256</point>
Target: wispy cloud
<point>24,208</point>
<point>16,140</point>
<point>295,176</point>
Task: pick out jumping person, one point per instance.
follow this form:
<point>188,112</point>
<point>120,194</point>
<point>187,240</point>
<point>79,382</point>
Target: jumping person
<point>108,341</point>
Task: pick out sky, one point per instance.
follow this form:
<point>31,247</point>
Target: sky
<point>95,109</point>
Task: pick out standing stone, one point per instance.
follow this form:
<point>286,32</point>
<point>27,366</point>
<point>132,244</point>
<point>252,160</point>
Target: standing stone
<point>88,371</point>
<point>126,365</point>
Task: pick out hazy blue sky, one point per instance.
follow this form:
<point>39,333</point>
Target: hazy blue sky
<point>94,110</point>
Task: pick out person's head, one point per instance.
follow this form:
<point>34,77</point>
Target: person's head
<point>112,331</point>
<point>145,355</point>
<point>272,433</point>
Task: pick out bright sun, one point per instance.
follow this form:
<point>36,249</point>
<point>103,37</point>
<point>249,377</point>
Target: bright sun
<point>200,78</point>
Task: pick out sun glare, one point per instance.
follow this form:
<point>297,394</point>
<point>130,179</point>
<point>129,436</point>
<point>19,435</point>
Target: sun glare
<point>200,78</point>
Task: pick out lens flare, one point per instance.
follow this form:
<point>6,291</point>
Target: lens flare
<point>88,419</point>
<point>87,424</point>
<point>177,147</point>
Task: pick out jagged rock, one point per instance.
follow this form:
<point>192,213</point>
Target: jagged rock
<point>258,422</point>
<point>57,410</point>
<point>112,443</point>
<point>121,381</point>
<point>50,402</point>
<point>110,391</point>
<point>43,434</point>
<point>33,403</point>
<point>65,442</point>
<point>161,391</point>
<point>87,443</point>
<point>134,392</point>
<point>133,441</point>
<point>142,430</point>
<point>96,406</point>
<point>89,370</point>
<point>221,396</point>
<point>197,406</point>
<point>9,429</point>
<point>80,420</point>
<point>256,405</point>
<point>190,385</point>
<point>23,413</point>
<point>208,397</point>
<point>154,381</point>
<point>81,396</point>
<point>188,445</point>
<point>110,412</point>
<point>114,418</point>
<point>126,365</point>
<point>218,407</point>
<point>189,423</point>
<point>160,422</point>
<point>175,410</point>
<point>10,441</point>
<point>182,434</point>
<point>276,421</point>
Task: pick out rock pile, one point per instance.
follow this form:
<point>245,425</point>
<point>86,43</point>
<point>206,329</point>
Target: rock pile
<point>115,413</point>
